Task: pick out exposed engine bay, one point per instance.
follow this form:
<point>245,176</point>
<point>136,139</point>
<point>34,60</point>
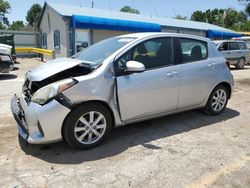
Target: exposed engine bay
<point>30,87</point>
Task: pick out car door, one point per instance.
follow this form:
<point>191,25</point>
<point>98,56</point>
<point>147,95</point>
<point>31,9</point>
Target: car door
<point>197,70</point>
<point>244,50</point>
<point>153,91</point>
<point>224,50</point>
<point>235,52</point>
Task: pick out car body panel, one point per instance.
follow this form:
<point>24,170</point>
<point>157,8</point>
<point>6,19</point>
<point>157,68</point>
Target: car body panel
<point>147,93</point>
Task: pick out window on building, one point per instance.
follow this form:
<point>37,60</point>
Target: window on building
<point>57,39</point>
<point>193,50</point>
<point>44,40</point>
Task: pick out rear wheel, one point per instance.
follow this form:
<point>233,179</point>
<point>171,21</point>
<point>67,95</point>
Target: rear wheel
<point>87,126</point>
<point>241,63</point>
<point>217,101</point>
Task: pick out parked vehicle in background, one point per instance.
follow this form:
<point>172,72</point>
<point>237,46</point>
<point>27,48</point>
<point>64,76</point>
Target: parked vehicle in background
<point>118,81</point>
<point>6,63</point>
<point>236,52</point>
<point>8,40</point>
<point>246,39</point>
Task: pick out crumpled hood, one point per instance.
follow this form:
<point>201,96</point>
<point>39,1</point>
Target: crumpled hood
<point>52,67</point>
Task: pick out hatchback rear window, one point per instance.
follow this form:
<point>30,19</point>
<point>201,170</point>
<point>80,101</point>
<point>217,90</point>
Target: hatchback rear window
<point>193,50</point>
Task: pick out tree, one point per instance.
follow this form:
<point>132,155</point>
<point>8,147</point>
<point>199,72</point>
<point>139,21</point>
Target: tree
<point>4,9</point>
<point>198,16</point>
<point>33,16</point>
<point>16,25</point>
<point>180,17</point>
<point>130,10</point>
<point>248,9</point>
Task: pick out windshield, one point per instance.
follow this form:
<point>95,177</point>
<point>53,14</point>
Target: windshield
<point>98,52</point>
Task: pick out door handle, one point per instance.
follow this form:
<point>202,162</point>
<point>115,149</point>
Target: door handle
<point>211,65</point>
<point>239,52</point>
<point>228,53</point>
<point>171,74</point>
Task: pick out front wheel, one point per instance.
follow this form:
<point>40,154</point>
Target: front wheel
<point>87,126</point>
<point>217,101</point>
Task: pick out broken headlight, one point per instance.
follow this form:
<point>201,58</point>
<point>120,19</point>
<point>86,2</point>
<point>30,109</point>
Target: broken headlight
<point>47,93</point>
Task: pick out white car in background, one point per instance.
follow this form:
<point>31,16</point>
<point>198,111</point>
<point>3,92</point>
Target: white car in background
<point>235,51</point>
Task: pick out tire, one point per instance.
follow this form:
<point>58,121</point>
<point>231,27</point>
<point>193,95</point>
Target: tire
<point>216,108</point>
<point>87,126</point>
<point>241,63</point>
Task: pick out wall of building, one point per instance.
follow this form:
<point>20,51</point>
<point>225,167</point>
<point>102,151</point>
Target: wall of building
<point>184,31</point>
<point>50,22</point>
<point>98,35</point>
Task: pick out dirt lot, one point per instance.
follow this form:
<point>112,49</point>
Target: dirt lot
<point>184,150</point>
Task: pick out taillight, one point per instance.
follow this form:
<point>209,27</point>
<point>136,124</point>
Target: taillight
<point>228,64</point>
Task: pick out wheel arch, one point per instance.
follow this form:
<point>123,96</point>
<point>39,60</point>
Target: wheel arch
<point>89,102</point>
<point>227,85</point>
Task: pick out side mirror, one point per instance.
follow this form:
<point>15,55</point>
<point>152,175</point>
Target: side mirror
<point>134,66</point>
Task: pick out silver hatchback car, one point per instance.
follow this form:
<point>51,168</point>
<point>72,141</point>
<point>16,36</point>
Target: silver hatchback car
<point>119,81</point>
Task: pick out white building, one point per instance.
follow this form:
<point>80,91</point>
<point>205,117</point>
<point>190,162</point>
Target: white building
<point>67,29</point>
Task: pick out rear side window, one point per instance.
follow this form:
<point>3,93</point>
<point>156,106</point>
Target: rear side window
<point>243,45</point>
<point>193,50</point>
<point>234,46</point>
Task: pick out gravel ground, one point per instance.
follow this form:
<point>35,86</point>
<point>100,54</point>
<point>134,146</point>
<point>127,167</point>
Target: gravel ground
<point>189,149</point>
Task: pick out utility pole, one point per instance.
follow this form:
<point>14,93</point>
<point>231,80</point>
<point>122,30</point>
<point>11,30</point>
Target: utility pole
<point>92,4</point>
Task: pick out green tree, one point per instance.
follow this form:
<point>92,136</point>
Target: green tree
<point>198,16</point>
<point>129,9</point>
<point>4,9</point>
<point>17,25</point>
<point>33,16</point>
<point>248,9</point>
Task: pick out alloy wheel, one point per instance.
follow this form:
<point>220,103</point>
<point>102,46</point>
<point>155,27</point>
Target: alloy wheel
<point>90,127</point>
<point>219,100</point>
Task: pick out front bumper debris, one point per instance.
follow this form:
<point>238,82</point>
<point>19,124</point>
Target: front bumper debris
<point>38,124</point>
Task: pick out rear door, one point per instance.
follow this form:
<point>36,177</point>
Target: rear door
<point>235,52</point>
<point>244,50</point>
<point>153,91</point>
<point>198,72</point>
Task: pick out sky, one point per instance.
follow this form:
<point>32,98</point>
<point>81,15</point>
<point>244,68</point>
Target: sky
<point>159,8</point>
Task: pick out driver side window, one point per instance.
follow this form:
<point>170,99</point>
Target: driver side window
<point>152,53</point>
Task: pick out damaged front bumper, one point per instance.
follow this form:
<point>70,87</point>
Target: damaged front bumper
<point>38,124</point>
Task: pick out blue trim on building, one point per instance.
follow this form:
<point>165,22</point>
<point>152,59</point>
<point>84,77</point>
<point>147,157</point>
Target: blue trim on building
<point>89,22</point>
<point>221,34</point>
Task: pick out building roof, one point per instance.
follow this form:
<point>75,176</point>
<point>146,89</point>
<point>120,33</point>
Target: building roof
<point>69,10</point>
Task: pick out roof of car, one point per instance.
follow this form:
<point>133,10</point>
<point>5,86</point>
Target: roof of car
<point>220,41</point>
<point>159,34</point>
